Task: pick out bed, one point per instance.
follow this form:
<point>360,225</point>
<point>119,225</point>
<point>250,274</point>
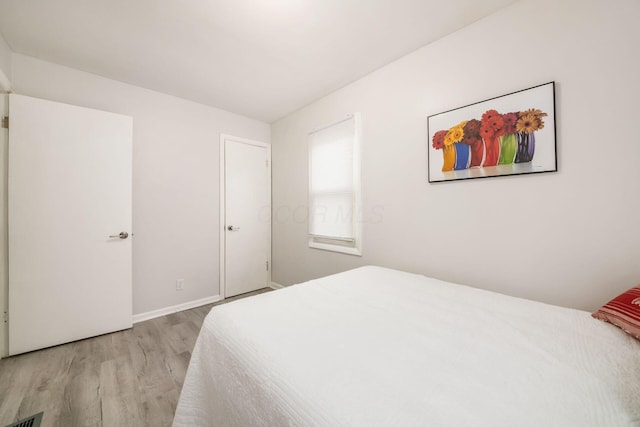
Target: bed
<point>380,347</point>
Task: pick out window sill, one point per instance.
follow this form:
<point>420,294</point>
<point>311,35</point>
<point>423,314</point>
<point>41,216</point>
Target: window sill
<point>336,248</point>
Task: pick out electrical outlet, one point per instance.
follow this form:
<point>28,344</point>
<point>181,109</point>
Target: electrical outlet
<point>179,284</point>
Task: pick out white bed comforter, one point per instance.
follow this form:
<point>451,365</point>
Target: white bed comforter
<point>379,347</point>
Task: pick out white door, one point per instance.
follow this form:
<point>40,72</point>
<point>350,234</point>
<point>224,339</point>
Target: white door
<point>69,202</point>
<point>246,215</point>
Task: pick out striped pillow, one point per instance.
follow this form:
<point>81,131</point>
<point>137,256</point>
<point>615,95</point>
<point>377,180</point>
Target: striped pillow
<point>623,311</point>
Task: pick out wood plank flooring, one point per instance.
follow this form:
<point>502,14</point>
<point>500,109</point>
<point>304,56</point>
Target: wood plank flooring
<point>127,378</point>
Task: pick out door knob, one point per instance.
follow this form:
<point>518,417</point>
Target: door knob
<point>232,228</point>
<point>122,235</point>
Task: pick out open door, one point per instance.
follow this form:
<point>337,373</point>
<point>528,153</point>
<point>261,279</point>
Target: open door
<point>69,223</point>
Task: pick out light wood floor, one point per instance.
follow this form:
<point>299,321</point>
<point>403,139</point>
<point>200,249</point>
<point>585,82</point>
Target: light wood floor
<point>127,378</point>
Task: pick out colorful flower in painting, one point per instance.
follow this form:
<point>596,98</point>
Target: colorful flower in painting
<point>530,120</point>
<point>510,120</point>
<point>497,125</point>
<point>489,115</point>
<point>486,131</point>
<point>492,124</point>
<point>528,123</point>
<point>455,134</point>
<point>471,132</point>
<point>534,111</point>
<point>438,139</point>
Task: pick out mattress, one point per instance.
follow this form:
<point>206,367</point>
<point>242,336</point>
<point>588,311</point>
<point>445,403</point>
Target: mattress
<point>380,347</point>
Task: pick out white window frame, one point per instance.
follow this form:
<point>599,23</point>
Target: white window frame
<point>338,245</point>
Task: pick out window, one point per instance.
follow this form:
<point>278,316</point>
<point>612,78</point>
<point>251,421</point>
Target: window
<point>334,187</point>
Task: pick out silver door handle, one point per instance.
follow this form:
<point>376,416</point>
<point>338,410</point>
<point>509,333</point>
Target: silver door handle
<point>122,235</point>
<point>232,228</point>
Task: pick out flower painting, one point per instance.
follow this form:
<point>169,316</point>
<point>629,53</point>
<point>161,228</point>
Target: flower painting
<point>507,135</point>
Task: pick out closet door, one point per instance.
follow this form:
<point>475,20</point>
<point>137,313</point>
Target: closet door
<point>246,215</point>
<point>69,223</point>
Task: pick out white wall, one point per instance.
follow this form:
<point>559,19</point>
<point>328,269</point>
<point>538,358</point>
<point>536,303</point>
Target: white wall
<point>570,238</point>
<point>5,64</point>
<point>175,176</point>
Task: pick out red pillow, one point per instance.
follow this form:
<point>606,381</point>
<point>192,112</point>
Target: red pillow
<point>623,311</point>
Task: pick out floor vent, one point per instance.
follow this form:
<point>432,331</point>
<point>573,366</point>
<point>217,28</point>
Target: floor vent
<point>32,421</point>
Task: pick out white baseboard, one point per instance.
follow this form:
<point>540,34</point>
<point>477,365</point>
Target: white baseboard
<point>275,285</point>
<point>175,308</point>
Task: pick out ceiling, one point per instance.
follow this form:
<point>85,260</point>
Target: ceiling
<point>259,58</point>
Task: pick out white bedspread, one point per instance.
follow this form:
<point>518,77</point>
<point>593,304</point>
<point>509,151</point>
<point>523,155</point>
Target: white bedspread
<point>379,347</point>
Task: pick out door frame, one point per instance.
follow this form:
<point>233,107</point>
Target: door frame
<point>5,90</point>
<point>223,206</point>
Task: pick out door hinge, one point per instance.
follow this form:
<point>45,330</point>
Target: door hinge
<point>267,265</point>
<point>5,122</point>
<point>6,317</point>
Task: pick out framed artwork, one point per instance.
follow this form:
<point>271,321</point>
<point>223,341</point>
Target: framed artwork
<point>507,135</point>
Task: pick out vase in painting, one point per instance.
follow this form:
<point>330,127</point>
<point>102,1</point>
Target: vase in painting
<point>448,157</point>
<point>492,151</point>
<point>508,148</point>
<point>526,147</point>
<point>477,153</point>
<point>463,156</point>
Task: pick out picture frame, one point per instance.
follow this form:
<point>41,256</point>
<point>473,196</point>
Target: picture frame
<point>511,134</point>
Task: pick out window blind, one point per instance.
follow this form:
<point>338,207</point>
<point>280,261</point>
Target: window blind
<point>331,181</point>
